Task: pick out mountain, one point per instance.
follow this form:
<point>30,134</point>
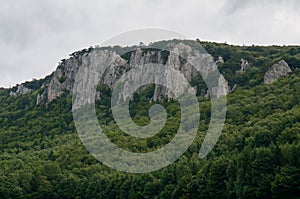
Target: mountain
<point>257,155</point>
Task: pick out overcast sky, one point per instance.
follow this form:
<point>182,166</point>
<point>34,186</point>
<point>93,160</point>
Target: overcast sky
<point>36,34</point>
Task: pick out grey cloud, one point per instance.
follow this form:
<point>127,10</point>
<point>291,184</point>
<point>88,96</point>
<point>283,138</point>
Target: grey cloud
<point>233,6</point>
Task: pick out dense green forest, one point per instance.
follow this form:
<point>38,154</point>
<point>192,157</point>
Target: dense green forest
<point>257,155</point>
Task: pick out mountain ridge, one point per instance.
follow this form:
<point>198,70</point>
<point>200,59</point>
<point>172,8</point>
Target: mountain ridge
<point>57,83</point>
<point>256,156</point>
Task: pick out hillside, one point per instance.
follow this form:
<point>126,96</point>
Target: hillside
<point>257,155</point>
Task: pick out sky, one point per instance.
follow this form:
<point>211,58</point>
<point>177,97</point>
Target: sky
<point>35,35</point>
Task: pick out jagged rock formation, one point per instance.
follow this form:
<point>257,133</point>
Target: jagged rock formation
<point>95,59</point>
<point>21,90</point>
<point>244,65</point>
<point>223,84</point>
<point>280,69</point>
<point>221,90</point>
<point>220,60</point>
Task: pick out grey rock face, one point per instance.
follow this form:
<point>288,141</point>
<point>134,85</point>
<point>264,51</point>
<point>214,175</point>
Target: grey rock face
<point>21,90</point>
<point>40,98</point>
<point>93,62</point>
<point>222,89</point>
<point>279,69</point>
<point>244,65</point>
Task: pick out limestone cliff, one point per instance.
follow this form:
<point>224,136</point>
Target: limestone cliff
<point>94,58</point>
<point>21,90</point>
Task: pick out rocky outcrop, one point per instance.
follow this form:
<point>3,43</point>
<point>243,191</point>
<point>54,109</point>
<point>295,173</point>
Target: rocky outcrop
<point>21,90</point>
<point>279,69</point>
<point>244,65</point>
<point>221,90</point>
<point>220,60</point>
<point>93,62</point>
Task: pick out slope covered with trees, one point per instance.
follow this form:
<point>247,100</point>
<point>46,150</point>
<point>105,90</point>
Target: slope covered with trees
<point>257,155</point>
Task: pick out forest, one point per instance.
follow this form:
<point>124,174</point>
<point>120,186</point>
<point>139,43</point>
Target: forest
<point>257,155</point>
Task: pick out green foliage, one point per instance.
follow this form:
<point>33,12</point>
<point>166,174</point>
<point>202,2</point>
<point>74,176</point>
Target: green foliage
<point>257,155</point>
